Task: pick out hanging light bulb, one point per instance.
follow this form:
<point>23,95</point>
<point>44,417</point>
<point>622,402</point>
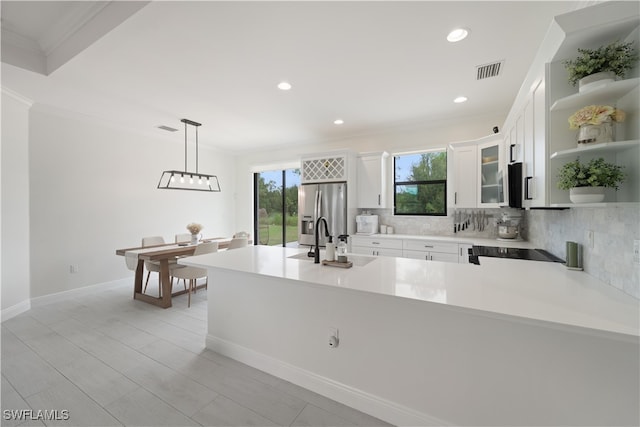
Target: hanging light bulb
<point>173,178</point>
<point>200,180</point>
<point>191,180</point>
<point>181,179</point>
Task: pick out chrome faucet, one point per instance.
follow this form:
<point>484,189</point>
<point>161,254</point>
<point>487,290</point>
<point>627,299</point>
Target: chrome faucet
<point>316,254</point>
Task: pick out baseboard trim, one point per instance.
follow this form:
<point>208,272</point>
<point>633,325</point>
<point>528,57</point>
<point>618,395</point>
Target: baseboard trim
<point>358,399</point>
<point>15,310</point>
<point>85,290</point>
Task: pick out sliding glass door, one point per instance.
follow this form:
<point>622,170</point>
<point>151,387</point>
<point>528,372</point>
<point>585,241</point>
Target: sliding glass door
<point>276,207</point>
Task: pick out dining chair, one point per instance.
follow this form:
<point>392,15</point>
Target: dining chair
<point>238,242</point>
<point>183,238</point>
<point>154,266</point>
<point>192,274</point>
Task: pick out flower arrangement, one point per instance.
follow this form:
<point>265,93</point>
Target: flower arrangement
<point>194,228</point>
<point>595,115</point>
<point>596,173</point>
<point>617,57</point>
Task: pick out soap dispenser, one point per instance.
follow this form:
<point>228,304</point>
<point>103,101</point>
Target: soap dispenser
<point>330,252</point>
<point>341,250</point>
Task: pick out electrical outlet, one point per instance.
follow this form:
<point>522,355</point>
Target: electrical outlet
<point>590,239</point>
<point>334,340</point>
<point>73,268</point>
<point>636,251</point>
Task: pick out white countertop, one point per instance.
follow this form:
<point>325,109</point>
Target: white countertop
<point>532,290</point>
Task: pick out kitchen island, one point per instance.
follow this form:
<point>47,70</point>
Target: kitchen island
<point>508,342</point>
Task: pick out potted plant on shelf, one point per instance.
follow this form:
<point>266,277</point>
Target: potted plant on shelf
<point>603,63</point>
<point>595,123</point>
<point>586,182</point>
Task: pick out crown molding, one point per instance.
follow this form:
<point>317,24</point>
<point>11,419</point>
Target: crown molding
<point>18,97</point>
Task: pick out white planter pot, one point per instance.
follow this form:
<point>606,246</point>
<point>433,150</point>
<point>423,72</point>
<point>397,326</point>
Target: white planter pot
<point>594,80</point>
<point>588,134</point>
<point>586,194</point>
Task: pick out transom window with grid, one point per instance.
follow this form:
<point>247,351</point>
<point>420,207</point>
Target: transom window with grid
<point>420,183</point>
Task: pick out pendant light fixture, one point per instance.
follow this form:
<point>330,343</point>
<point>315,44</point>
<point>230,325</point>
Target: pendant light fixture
<point>185,180</point>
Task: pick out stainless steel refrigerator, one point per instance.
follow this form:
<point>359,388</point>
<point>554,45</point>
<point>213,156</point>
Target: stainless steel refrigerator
<point>315,200</point>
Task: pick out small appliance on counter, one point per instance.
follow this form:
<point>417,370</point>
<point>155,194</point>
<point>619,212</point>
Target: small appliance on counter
<point>366,224</point>
<point>509,226</point>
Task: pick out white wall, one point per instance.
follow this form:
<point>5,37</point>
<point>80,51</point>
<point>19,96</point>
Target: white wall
<point>15,205</point>
<point>93,190</point>
<point>430,135</point>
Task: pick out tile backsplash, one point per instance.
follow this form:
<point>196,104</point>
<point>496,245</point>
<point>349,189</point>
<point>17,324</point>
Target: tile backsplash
<point>441,225</point>
<point>614,230</point>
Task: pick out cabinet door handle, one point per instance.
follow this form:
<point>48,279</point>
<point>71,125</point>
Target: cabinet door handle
<point>455,198</point>
<point>379,199</point>
<point>511,147</point>
<point>526,188</point>
<point>428,246</point>
<point>375,243</point>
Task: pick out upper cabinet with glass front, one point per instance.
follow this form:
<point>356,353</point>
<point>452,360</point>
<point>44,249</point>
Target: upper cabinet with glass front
<point>491,172</point>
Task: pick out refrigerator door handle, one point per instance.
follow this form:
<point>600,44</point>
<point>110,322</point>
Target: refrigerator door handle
<point>318,207</point>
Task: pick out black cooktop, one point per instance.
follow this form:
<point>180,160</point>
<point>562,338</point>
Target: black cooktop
<point>515,253</point>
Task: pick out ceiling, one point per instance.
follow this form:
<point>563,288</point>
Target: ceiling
<point>376,65</point>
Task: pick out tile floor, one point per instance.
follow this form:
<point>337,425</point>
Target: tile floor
<point>110,361</point>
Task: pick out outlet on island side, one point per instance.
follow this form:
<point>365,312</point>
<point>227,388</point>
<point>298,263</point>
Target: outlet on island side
<point>636,251</point>
<point>73,268</point>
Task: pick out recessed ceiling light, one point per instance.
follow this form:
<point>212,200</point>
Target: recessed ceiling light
<point>284,85</point>
<point>457,35</point>
<point>460,99</point>
<point>338,122</point>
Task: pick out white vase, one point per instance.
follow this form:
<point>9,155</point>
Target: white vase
<point>594,80</point>
<point>586,194</point>
<point>603,132</point>
<point>194,239</point>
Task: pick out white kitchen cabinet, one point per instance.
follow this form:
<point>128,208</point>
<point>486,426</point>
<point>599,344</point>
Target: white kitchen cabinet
<point>374,246</point>
<point>491,173</point>
<point>327,167</point>
<point>430,250</point>
<point>372,180</point>
<point>463,253</point>
<point>465,165</point>
<point>534,190</point>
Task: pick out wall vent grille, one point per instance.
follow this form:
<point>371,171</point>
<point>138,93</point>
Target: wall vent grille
<point>167,128</point>
<point>488,70</point>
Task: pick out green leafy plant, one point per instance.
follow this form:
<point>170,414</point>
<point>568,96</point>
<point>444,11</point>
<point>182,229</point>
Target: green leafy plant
<point>596,173</point>
<point>617,57</point>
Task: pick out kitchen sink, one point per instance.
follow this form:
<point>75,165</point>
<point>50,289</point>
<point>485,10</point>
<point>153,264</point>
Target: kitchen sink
<point>357,260</point>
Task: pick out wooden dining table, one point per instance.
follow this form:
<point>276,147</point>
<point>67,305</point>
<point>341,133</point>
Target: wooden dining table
<point>162,253</point>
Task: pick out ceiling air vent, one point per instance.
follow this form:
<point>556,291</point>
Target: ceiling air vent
<point>167,128</point>
<point>488,70</point>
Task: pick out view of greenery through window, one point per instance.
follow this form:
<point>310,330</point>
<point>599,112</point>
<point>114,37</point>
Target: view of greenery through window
<point>420,184</point>
<point>277,206</point>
